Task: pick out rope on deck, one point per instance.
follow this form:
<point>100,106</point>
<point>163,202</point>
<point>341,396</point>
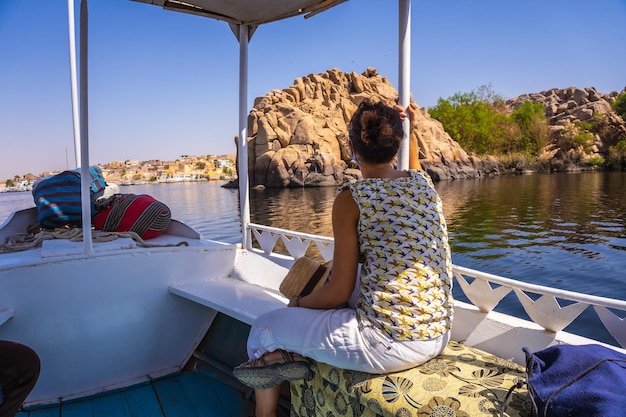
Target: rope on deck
<point>23,241</point>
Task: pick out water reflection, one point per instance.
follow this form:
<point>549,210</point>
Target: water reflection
<point>206,206</point>
<point>570,224</point>
<point>307,210</point>
<point>301,209</point>
<point>567,230</point>
<point>563,230</point>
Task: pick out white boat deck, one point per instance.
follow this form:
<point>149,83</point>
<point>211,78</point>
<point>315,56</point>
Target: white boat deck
<point>238,299</point>
<point>178,237</point>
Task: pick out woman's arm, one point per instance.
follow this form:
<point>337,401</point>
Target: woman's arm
<point>345,259</point>
<point>414,147</point>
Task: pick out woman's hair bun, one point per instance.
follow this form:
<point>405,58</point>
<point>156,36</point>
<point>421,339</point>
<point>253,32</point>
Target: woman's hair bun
<point>376,131</point>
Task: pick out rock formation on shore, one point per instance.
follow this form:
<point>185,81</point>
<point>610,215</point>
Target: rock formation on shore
<point>567,109</point>
<point>298,136</point>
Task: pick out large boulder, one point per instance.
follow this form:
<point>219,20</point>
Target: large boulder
<point>298,136</point>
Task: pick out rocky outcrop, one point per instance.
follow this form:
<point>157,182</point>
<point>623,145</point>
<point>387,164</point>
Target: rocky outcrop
<point>298,136</point>
<point>585,114</point>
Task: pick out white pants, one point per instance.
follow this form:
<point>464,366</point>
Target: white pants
<point>335,337</point>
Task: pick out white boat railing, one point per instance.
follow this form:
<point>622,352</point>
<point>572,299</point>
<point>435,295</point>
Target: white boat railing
<point>483,290</point>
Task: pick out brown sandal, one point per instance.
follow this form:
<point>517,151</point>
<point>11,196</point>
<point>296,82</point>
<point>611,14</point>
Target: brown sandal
<point>260,374</point>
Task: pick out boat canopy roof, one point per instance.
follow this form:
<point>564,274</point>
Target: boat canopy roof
<point>247,12</point>
<point>243,17</point>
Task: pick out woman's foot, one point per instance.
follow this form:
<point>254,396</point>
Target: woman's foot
<point>272,369</point>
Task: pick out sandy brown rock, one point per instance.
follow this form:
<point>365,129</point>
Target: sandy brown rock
<point>298,136</point>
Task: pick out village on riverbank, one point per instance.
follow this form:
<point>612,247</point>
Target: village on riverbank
<point>187,168</point>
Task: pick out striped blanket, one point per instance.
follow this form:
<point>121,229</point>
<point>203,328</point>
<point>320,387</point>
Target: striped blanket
<point>139,213</point>
<point>58,197</point>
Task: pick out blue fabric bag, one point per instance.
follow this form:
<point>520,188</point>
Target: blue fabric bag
<point>581,380</point>
<point>58,197</point>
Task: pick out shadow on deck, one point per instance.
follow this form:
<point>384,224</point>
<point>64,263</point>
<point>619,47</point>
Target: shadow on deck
<point>206,388</point>
<point>187,394</point>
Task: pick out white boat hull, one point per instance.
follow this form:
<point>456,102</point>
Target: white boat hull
<point>107,320</point>
<point>123,315</point>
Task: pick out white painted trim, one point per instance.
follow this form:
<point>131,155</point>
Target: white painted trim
<point>85,188</point>
<point>73,79</point>
<point>242,153</point>
<point>404,75</point>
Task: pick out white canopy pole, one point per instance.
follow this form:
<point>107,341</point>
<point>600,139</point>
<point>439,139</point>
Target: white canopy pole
<point>73,82</point>
<point>85,192</point>
<point>404,75</point>
<point>242,154</point>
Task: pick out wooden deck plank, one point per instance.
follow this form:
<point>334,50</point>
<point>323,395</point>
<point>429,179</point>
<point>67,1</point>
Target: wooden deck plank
<point>143,402</point>
<point>110,405</point>
<point>173,398</point>
<point>211,398</point>
<point>80,408</point>
<point>188,394</point>
<point>41,412</point>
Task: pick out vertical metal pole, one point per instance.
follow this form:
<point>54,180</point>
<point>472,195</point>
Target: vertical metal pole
<point>73,82</point>
<point>242,155</point>
<point>404,75</point>
<point>85,192</point>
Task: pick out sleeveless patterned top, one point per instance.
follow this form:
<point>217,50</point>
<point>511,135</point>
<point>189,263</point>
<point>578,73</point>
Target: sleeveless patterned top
<point>406,276</point>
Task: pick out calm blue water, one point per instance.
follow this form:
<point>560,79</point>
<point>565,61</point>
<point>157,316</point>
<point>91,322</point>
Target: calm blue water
<point>563,230</point>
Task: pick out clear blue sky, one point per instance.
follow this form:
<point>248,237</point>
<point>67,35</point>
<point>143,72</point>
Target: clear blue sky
<point>164,84</point>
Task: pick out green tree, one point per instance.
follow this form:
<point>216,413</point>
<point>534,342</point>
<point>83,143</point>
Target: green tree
<point>486,94</point>
<point>473,120</point>
<point>578,135</point>
<point>200,165</point>
<point>616,155</point>
<point>619,105</point>
<point>10,183</point>
<point>533,125</point>
<point>479,122</point>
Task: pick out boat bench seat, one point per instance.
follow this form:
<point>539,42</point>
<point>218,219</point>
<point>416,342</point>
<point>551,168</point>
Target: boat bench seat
<point>236,298</point>
<point>462,382</point>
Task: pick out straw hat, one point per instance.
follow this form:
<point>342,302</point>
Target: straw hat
<point>304,276</point>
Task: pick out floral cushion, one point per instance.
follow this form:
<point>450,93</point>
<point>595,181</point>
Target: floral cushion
<point>462,382</point>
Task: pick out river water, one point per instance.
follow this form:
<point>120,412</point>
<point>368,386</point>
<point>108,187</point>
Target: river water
<point>562,230</point>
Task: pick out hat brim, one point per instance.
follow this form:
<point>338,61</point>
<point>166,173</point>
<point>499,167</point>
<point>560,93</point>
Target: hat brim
<point>305,275</point>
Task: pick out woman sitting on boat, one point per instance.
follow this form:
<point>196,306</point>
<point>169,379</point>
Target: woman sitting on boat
<point>393,222</point>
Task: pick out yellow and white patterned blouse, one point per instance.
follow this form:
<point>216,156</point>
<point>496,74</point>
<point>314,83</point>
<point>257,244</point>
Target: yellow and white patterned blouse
<point>406,276</point>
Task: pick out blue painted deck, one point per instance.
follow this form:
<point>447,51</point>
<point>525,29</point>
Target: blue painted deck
<point>206,388</point>
<point>188,394</point>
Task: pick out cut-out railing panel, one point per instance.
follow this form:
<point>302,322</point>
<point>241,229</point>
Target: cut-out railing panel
<point>483,290</point>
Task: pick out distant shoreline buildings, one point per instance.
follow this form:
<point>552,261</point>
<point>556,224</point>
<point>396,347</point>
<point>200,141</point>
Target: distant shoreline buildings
<point>184,169</point>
